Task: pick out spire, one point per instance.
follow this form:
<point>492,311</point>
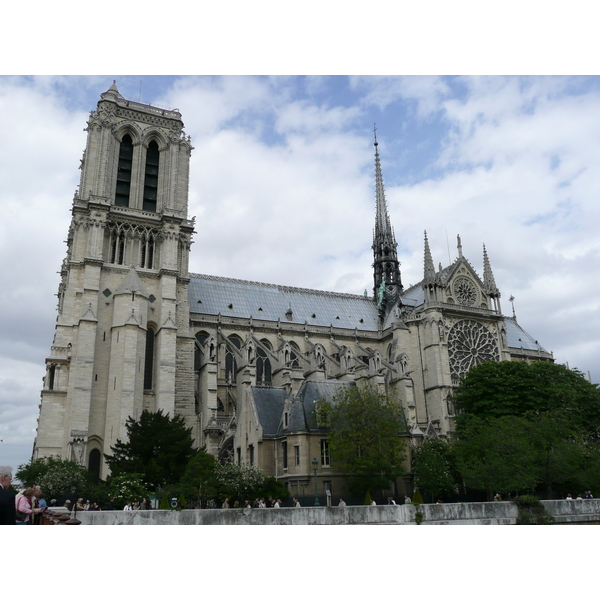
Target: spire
<point>112,93</point>
<point>488,277</point>
<point>459,246</point>
<point>429,271</point>
<point>382,219</point>
<point>386,267</point>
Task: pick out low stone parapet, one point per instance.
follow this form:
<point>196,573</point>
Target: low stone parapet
<point>462,513</point>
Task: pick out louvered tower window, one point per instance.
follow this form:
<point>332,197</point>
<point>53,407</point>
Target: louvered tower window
<point>151,177</point>
<point>124,172</point>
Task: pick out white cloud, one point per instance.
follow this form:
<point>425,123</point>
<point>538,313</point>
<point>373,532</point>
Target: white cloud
<point>282,188</point>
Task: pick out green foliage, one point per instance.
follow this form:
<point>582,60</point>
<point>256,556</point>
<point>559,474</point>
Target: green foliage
<point>417,498</point>
<point>239,482</point>
<point>365,429</point>
<point>419,516</point>
<point>199,480</point>
<point>164,503</point>
<point>523,425</point>
<point>57,477</point>
<point>507,388</point>
<point>367,501</point>
<point>532,511</point>
<point>274,488</point>
<point>158,446</point>
<point>181,501</point>
<point>434,467</point>
<point>496,455</point>
<point>127,488</point>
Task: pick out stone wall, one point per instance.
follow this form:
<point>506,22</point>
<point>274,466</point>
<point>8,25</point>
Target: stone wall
<point>467,513</point>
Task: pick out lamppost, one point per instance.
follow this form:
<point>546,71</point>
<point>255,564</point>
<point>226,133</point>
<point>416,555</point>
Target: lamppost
<point>315,464</point>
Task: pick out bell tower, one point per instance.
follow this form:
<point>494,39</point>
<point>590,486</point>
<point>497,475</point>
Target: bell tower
<point>122,341</point>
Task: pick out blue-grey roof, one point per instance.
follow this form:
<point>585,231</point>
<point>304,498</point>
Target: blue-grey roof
<point>302,413</point>
<point>213,295</point>
<point>269,405</point>
<point>517,337</point>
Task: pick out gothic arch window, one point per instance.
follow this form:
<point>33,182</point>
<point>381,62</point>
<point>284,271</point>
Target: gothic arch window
<point>201,338</point>
<point>230,362</point>
<point>470,343</point>
<point>123,188</point>
<point>263,365</point>
<point>149,358</point>
<point>294,353</point>
<point>147,242</point>
<point>117,247</point>
<point>94,463</point>
<point>151,177</point>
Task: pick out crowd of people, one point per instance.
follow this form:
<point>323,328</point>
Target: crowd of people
<point>25,508</point>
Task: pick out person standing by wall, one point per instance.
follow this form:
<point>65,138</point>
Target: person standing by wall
<point>7,500</point>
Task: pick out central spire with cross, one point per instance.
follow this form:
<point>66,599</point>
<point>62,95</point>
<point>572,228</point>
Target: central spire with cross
<point>386,267</point>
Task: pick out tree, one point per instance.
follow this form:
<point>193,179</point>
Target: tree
<point>496,389</point>
<point>433,468</point>
<point>239,482</point>
<point>497,455</point>
<point>158,447</point>
<point>57,477</point>
<point>521,425</point>
<point>365,437</point>
<point>128,488</point>
<point>199,480</point>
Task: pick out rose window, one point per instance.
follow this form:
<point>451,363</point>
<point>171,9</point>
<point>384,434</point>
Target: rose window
<point>470,343</point>
<point>465,291</point>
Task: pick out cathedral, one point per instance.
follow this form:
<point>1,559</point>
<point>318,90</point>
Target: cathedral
<point>243,362</point>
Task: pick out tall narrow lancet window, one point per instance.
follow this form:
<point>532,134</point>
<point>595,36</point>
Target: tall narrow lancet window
<point>230,362</point>
<point>149,359</point>
<point>263,366</point>
<point>117,248</point>
<point>124,172</point>
<point>94,463</point>
<point>151,177</point>
<point>147,250</point>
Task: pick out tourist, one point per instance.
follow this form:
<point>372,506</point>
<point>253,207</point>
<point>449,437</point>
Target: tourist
<point>407,499</point>
<point>277,503</point>
<point>296,503</point>
<point>7,500</point>
<point>569,497</point>
<point>128,506</point>
<point>24,506</point>
<point>111,504</point>
<point>225,504</point>
<point>80,505</point>
<point>342,504</point>
<point>391,501</point>
<point>373,503</point>
<point>67,504</point>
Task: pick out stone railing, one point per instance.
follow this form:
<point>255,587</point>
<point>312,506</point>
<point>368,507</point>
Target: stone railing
<point>465,513</point>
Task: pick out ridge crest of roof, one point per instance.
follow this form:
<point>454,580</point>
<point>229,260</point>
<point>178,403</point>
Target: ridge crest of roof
<point>283,288</point>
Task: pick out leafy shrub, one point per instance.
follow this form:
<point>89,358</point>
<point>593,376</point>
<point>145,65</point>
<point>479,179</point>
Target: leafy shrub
<point>532,511</point>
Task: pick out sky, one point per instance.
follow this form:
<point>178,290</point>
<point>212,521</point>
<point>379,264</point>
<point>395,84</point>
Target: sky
<point>283,190</point>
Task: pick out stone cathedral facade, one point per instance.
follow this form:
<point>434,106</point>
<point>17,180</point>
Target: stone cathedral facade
<point>243,362</point>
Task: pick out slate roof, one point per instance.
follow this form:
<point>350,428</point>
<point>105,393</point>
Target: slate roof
<point>302,413</point>
<point>269,405</point>
<point>517,337</point>
<point>211,295</point>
